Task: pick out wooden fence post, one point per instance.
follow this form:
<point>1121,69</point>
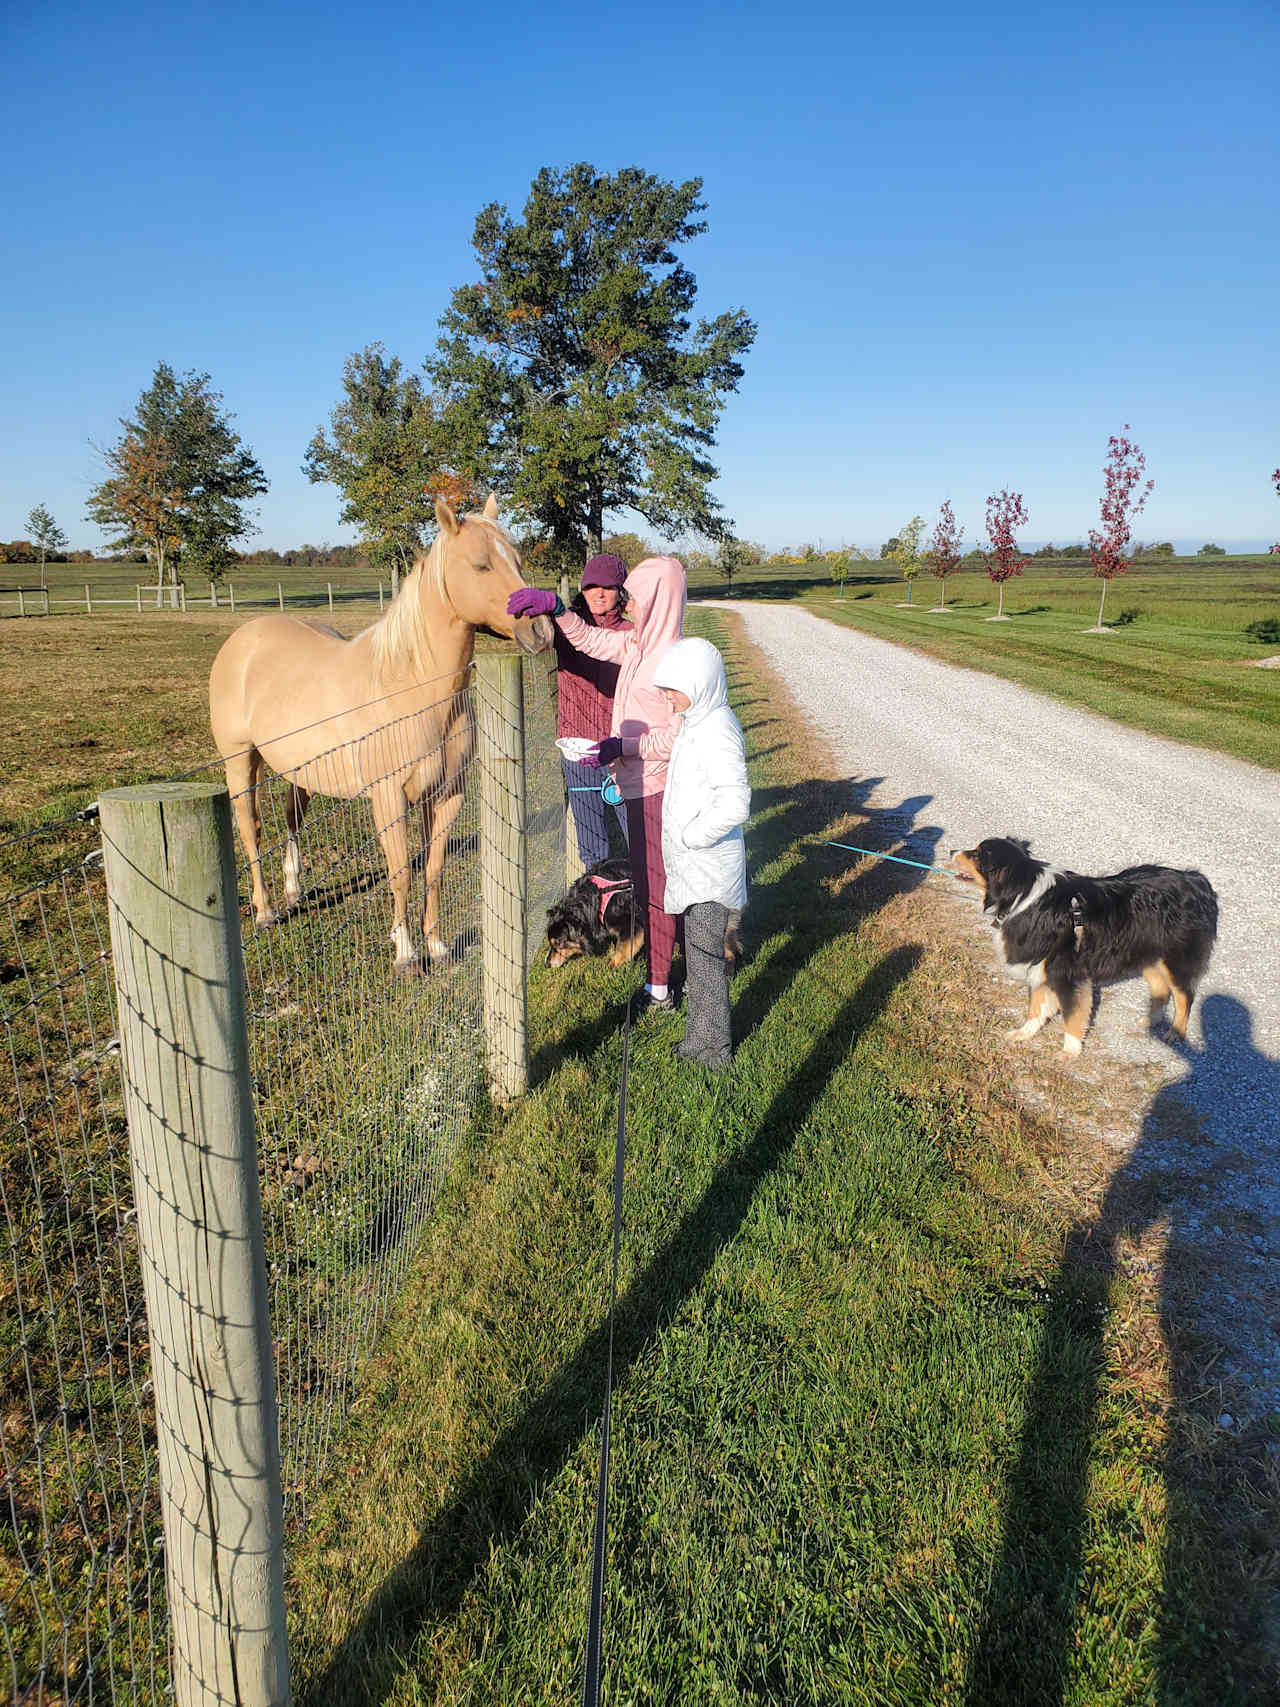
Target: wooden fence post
<point>175,937</point>
<point>504,870</point>
<point>88,602</point>
<point>22,602</point>
<point>45,591</point>
<point>213,595</point>
<point>329,584</point>
<point>231,588</point>
<point>280,594</point>
<point>138,584</point>
<point>182,595</point>
<point>379,596</point>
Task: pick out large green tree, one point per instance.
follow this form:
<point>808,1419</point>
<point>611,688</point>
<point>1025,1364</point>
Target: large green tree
<point>48,537</point>
<point>178,479</point>
<point>381,452</point>
<point>575,380</point>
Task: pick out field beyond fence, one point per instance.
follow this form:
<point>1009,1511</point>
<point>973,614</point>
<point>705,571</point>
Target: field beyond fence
<point>362,1080</point>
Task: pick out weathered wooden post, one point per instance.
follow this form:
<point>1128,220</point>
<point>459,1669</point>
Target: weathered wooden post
<point>231,589</point>
<point>45,591</point>
<point>329,585</point>
<point>88,601</point>
<point>182,596</point>
<point>138,584</point>
<point>213,595</point>
<point>22,602</point>
<point>280,594</point>
<point>175,937</point>
<point>379,597</point>
<point>504,870</point>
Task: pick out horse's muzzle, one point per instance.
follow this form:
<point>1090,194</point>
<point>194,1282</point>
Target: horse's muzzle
<point>534,634</point>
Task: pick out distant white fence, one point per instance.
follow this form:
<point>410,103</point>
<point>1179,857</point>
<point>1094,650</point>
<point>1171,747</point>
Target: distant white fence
<point>39,601</point>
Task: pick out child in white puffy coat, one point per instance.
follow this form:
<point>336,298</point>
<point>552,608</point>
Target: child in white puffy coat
<point>706,802</point>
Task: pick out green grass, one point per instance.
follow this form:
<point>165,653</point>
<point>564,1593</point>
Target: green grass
<point>876,1440</point>
<point>1176,665</point>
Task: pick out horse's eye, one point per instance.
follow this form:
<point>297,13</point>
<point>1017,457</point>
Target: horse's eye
<point>483,567</point>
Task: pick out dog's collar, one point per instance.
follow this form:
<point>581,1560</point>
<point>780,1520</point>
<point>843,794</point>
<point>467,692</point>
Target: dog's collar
<point>607,886</point>
<point>1047,878</point>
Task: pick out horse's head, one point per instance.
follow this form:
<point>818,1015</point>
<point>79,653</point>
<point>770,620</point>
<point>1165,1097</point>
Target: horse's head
<point>480,569</point>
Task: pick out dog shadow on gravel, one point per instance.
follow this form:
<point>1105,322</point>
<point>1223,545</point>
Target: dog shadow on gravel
<point>1205,1173</point>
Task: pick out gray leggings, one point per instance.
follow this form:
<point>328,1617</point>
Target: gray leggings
<point>706,992</point>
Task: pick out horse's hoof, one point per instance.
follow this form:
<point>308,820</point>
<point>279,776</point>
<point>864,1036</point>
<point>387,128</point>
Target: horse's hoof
<point>438,950</point>
<point>409,968</point>
<point>263,920</point>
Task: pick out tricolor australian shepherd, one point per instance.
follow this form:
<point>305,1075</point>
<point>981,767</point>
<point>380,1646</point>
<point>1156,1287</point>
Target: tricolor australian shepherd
<point>599,915</point>
<point>1070,932</point>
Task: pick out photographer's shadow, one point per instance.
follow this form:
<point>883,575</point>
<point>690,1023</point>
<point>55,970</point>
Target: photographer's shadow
<point>1204,1177</point>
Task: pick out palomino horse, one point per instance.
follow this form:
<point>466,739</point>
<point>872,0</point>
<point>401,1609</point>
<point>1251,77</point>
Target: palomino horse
<point>384,714</point>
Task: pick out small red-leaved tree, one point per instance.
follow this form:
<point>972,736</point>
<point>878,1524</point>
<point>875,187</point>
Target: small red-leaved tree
<point>1123,499</point>
<point>943,555</point>
<point>1006,513</point>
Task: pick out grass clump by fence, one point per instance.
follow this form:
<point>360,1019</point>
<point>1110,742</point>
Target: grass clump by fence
<point>877,1432</point>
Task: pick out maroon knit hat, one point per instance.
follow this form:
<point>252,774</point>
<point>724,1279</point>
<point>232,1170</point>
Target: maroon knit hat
<point>606,570</point>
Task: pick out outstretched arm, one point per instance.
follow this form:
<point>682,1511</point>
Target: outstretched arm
<point>610,643</point>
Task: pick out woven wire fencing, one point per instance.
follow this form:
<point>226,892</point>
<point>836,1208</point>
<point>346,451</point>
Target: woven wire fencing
<point>365,1078</point>
<point>81,1582</point>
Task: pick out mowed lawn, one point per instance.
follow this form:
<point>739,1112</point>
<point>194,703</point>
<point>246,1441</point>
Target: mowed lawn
<point>890,1425</point>
<point>1178,662</point>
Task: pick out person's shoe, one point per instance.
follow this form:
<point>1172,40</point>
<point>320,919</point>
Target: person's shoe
<point>644,1002</point>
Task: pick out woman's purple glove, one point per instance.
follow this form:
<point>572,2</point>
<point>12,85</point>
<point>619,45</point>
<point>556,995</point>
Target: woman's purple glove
<point>605,753</point>
<point>533,601</point>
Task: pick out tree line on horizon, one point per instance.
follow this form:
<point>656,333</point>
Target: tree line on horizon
<point>571,377</point>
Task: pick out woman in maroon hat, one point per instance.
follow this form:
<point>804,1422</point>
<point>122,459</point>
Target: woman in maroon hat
<point>585,700</point>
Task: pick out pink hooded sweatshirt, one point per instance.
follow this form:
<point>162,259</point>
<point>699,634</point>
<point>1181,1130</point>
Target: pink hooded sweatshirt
<point>642,718</point>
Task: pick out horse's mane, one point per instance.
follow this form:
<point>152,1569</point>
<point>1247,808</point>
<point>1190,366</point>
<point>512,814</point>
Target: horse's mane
<point>402,637</point>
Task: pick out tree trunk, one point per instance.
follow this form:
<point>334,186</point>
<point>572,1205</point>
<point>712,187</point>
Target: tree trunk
<point>1102,601</point>
<point>159,565</point>
<point>595,528</point>
<point>1000,606</point>
<point>44,583</point>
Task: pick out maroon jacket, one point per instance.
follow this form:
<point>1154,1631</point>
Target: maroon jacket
<point>586,686</point>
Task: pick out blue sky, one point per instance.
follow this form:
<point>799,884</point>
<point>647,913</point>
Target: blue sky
<point>976,239</point>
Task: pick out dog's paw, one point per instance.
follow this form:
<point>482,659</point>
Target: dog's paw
<point>1071,1045</point>
<point>1020,1033</point>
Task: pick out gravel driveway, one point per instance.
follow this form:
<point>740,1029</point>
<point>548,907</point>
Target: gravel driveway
<point>978,756</point>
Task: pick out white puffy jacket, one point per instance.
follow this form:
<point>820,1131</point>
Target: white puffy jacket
<point>707,798</point>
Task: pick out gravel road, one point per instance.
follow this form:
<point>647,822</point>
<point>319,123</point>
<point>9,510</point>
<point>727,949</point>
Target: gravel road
<point>976,756</point>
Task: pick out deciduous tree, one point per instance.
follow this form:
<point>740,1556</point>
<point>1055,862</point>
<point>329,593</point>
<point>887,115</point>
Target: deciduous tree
<point>1122,499</point>
<point>736,555</point>
<point>576,381</point>
<point>48,537</point>
<point>382,452</point>
<point>943,555</point>
<point>904,550</point>
<point>178,479</point>
<point>1006,513</point>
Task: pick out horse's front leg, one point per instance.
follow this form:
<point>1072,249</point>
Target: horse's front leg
<point>295,810</point>
<point>389,810</point>
<point>437,821</point>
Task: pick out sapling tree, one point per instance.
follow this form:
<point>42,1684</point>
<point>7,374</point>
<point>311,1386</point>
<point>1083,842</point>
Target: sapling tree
<point>904,549</point>
<point>1006,513</point>
<point>1122,500</point>
<point>48,537</point>
<point>943,555</point>
<point>1275,481</point>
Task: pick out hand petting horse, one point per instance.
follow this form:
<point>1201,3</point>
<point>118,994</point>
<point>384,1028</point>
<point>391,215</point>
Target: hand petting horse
<point>385,714</point>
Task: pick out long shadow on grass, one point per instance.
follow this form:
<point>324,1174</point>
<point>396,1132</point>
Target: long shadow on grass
<point>1209,1155</point>
<point>811,898</point>
<point>495,1501</point>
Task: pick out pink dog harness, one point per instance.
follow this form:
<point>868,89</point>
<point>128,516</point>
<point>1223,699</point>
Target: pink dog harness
<point>608,886</point>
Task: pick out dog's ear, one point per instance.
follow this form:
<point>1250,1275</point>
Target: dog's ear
<point>1020,843</point>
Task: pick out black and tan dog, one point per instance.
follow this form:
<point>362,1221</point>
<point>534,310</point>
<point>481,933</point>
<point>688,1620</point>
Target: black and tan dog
<point>1069,932</point>
<point>598,915</point>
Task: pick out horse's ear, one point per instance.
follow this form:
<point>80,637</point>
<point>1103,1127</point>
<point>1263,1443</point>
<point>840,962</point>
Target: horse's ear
<point>445,518</point>
<point>490,511</point>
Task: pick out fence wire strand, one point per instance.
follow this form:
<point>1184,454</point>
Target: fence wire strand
<point>365,1079</point>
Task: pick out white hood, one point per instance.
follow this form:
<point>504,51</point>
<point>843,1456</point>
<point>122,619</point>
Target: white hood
<point>694,667</point>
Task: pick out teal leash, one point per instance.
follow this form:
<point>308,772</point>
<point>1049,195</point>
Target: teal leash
<point>897,859</point>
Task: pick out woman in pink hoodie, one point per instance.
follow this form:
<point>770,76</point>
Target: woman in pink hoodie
<point>644,729</point>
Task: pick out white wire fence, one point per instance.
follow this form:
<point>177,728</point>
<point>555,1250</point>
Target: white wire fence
<point>364,1079</point>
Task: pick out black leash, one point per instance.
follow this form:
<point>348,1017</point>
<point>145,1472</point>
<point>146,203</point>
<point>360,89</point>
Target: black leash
<point>595,1610</point>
